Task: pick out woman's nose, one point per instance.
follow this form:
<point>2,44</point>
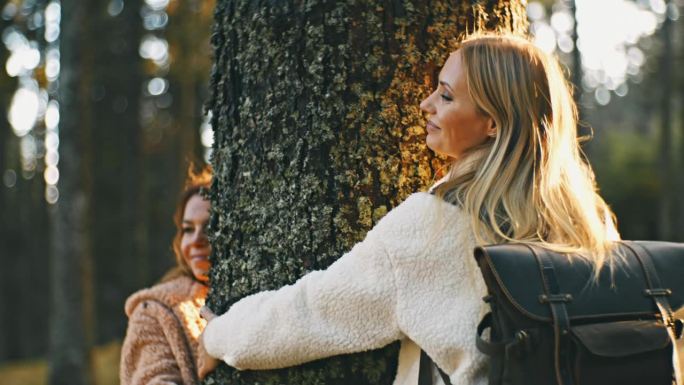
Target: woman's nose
<point>426,105</point>
<point>200,237</point>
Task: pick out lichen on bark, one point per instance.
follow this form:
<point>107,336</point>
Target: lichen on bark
<point>318,134</point>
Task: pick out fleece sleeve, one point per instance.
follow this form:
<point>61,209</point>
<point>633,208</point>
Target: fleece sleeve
<point>347,308</point>
<point>146,357</point>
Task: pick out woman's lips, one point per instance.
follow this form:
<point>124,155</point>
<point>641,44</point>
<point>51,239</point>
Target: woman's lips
<point>432,127</point>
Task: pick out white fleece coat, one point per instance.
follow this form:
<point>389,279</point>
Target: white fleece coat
<point>413,278</point>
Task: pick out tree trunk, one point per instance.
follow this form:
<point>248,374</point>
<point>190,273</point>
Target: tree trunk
<point>188,34</point>
<point>576,57</point>
<point>665,146</point>
<point>7,86</point>
<point>71,266</point>
<point>23,220</point>
<point>318,134</point>
<point>576,78</point>
<point>117,164</point>
<point>680,188</point>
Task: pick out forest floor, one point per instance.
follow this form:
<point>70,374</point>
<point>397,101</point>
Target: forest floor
<point>35,372</point>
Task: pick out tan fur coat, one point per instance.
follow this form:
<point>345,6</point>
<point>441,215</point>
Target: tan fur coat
<point>161,340</point>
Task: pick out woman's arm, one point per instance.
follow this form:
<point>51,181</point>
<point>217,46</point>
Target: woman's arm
<point>146,357</point>
<point>347,308</point>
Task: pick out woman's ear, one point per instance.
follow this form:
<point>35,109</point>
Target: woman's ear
<point>491,127</point>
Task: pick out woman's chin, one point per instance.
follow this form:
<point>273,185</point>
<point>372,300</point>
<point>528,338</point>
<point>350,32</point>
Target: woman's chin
<point>432,143</point>
<point>201,273</point>
<point>201,276</point>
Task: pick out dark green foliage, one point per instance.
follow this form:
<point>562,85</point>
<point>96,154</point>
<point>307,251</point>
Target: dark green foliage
<point>317,135</point>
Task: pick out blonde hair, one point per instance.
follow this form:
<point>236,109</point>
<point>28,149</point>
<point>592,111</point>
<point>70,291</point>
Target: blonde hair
<point>529,183</point>
<point>195,182</point>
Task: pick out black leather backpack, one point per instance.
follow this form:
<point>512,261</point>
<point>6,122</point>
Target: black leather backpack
<point>551,322</point>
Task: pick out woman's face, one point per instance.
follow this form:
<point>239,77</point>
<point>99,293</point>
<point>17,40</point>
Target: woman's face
<point>194,244</point>
<point>454,123</point>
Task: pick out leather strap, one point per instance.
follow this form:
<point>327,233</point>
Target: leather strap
<point>659,295</point>
<point>561,321</point>
<point>425,371</point>
<point>487,347</point>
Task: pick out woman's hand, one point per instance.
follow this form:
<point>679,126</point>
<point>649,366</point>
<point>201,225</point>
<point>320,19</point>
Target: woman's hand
<point>207,314</point>
<point>205,363</point>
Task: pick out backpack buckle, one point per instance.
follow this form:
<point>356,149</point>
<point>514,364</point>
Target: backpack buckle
<point>546,298</point>
<point>658,292</point>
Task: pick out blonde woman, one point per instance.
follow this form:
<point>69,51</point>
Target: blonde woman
<point>504,113</point>
<point>164,321</point>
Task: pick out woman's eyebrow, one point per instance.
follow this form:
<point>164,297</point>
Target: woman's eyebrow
<point>446,85</point>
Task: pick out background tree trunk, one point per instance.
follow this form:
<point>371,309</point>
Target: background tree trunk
<point>190,64</point>
<point>71,267</point>
<point>7,85</point>
<point>318,135</point>
<point>168,156</point>
<point>24,216</point>
<point>679,236</point>
<point>118,163</point>
<point>667,181</point>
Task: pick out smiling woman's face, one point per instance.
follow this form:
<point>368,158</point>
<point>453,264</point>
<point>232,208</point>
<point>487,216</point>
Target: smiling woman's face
<point>455,124</point>
<point>194,244</point>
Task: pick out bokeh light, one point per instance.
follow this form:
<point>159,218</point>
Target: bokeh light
<point>157,86</point>
<point>9,178</point>
<point>53,15</point>
<point>24,110</point>
<point>608,46</point>
<point>155,49</point>
<point>115,7</point>
<point>157,5</point>
<point>207,136</point>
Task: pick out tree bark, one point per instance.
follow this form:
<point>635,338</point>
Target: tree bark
<point>71,259</point>
<point>318,134</point>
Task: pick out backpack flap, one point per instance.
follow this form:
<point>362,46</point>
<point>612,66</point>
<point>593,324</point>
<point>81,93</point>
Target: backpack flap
<point>514,271</point>
<point>626,352</point>
<point>621,339</point>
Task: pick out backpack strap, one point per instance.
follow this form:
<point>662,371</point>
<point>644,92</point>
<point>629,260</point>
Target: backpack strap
<point>659,295</point>
<point>655,289</point>
<point>425,370</point>
<point>561,321</point>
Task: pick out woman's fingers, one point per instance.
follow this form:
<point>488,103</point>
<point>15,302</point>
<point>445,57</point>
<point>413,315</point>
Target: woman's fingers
<point>207,314</point>
<point>205,363</point>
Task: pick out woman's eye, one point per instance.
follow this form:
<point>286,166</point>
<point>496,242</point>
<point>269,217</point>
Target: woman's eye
<point>446,97</point>
<point>187,229</point>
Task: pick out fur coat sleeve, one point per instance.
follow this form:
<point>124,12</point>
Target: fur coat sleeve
<point>148,358</point>
<point>349,307</point>
<point>161,340</point>
<point>412,278</point>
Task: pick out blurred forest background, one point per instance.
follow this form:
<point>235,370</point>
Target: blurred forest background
<point>150,66</point>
